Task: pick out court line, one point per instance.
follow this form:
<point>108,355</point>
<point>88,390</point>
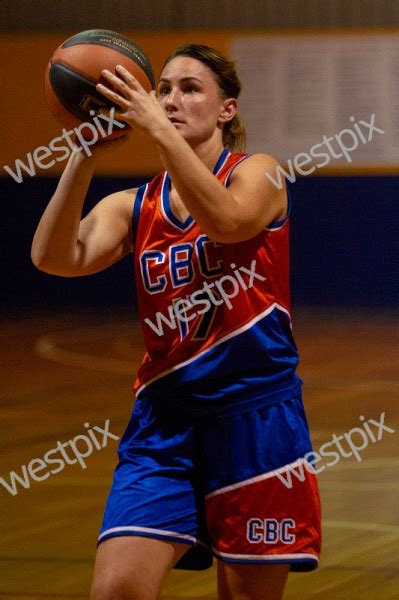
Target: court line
<point>366,464</point>
<point>40,595</point>
<point>44,559</point>
<point>358,486</point>
<point>360,385</point>
<point>48,346</point>
<point>361,526</point>
<point>48,437</point>
<point>339,567</point>
<point>81,482</point>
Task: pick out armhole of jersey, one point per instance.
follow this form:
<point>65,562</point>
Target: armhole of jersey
<point>278,224</point>
<point>227,180</point>
<point>138,201</point>
<point>274,224</point>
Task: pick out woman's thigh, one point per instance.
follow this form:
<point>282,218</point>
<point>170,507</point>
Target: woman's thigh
<point>133,567</point>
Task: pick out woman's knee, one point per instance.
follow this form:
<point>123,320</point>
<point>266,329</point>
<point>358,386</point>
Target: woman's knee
<point>133,568</point>
<point>122,588</point>
<point>251,581</point>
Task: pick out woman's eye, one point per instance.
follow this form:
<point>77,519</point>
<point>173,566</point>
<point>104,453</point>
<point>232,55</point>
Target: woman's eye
<point>163,91</point>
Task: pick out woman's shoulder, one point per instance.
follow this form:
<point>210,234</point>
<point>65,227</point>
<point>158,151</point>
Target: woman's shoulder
<point>255,165</point>
<point>259,158</point>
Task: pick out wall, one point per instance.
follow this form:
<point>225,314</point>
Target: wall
<point>343,253</point>
<point>46,15</point>
<point>344,247</point>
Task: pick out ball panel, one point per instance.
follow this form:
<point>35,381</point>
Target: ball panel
<point>70,118</point>
<point>114,41</point>
<point>63,116</point>
<point>90,61</point>
<point>76,91</point>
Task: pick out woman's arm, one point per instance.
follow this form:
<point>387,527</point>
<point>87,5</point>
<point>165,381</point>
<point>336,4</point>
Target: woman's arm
<point>64,244</point>
<point>225,214</point>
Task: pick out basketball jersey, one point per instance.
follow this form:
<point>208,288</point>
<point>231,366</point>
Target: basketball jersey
<point>215,316</point>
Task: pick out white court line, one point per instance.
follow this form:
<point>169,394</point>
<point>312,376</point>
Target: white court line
<point>367,463</point>
<point>350,384</point>
<point>46,347</point>
<point>358,486</point>
<point>49,347</point>
<point>360,526</point>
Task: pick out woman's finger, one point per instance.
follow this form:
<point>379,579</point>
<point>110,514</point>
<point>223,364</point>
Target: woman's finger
<point>128,78</point>
<point>111,95</point>
<point>125,117</point>
<point>117,83</point>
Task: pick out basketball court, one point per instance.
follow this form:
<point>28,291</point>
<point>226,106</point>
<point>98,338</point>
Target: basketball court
<point>315,75</point>
<point>63,371</point>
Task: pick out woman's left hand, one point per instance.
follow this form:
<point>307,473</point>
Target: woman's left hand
<point>137,107</point>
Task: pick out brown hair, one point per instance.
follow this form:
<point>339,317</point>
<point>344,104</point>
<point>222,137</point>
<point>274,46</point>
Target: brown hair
<point>234,135</point>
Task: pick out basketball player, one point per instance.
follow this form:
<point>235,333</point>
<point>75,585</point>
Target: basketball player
<point>218,412</point>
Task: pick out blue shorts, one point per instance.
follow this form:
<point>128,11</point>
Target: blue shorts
<point>219,484</point>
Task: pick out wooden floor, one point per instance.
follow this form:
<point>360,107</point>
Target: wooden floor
<point>62,372</point>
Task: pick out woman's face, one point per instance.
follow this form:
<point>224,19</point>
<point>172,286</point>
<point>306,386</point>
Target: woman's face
<point>191,98</point>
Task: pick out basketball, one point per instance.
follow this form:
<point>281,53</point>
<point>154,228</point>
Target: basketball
<point>75,68</point>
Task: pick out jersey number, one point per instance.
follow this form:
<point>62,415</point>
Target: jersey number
<point>202,328</point>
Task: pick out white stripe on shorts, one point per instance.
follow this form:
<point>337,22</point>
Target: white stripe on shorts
<point>267,475</point>
<point>149,530</point>
<point>266,557</point>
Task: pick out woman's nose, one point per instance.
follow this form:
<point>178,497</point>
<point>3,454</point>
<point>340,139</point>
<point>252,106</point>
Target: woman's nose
<point>172,99</point>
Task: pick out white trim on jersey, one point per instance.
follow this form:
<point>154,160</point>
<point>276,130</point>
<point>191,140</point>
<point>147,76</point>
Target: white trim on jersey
<point>163,209</point>
<point>136,212</point>
<point>233,167</point>
<point>165,199</point>
<point>223,163</point>
<point>229,336</point>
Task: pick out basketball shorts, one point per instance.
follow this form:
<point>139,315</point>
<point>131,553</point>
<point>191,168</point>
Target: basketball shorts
<point>234,487</point>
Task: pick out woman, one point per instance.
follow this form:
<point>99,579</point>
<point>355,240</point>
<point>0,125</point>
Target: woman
<point>218,412</point>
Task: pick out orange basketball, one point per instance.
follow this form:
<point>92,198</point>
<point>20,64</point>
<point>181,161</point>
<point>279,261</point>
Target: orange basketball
<point>75,69</point>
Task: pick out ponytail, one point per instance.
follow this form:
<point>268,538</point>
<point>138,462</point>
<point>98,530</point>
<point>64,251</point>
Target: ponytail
<point>234,135</point>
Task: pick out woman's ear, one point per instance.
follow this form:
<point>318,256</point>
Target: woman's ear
<point>228,110</point>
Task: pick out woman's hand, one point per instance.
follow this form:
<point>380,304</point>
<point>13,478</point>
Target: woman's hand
<point>138,108</point>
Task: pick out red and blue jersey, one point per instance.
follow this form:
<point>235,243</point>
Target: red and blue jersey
<point>216,323</point>
<point>215,317</point>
